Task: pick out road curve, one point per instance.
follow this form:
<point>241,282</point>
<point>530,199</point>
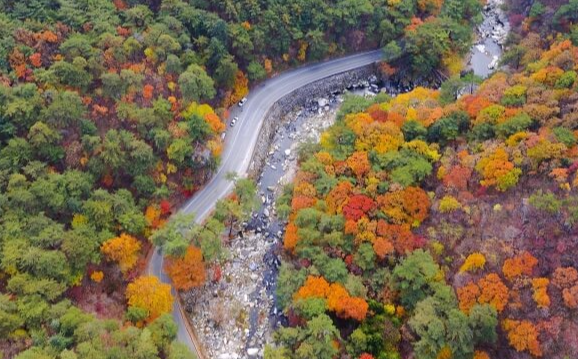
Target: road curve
<point>239,145</point>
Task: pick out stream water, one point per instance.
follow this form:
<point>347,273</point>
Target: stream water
<point>491,35</point>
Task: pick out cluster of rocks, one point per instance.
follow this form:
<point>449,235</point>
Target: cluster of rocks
<point>495,24</point>
<point>221,311</point>
<point>311,131</point>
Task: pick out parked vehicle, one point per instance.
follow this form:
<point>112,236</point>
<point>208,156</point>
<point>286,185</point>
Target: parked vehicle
<point>234,121</point>
<point>242,102</point>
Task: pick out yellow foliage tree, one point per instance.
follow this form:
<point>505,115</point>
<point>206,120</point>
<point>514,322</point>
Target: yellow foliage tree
<point>148,293</point>
<point>473,262</point>
<point>449,204</point>
<point>123,249</point>
<point>540,287</point>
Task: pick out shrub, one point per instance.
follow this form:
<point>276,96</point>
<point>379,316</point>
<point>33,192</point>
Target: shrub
<point>449,204</point>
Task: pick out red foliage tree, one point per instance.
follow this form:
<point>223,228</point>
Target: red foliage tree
<point>377,113</point>
<point>165,207</point>
<point>458,177</point>
<point>358,206</point>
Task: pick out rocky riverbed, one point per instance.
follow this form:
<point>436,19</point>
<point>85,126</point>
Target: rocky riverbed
<point>236,316</point>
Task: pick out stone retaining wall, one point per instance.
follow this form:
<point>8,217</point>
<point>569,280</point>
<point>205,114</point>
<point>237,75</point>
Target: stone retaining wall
<point>296,99</point>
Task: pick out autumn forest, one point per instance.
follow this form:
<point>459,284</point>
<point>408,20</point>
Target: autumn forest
<point>436,224</point>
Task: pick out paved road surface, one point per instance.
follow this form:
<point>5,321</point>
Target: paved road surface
<point>240,143</point>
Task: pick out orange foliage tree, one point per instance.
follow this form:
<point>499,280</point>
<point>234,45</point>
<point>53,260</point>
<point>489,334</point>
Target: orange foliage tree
<point>36,59</point>
<point>523,336</point>
<point>359,164</point>
<point>497,170</point>
<point>382,247</point>
<point>147,91</point>
<point>240,89</point>
<point>97,276</point>
<point>148,293</point>
<point>565,277</point>
<point>570,296</point>
<point>521,264</point>
<point>408,206</point>
<point>187,272</point>
<point>338,196</point>
<point>493,292</point>
<point>300,202</point>
<point>123,249</point>
<point>338,299</point>
<point>457,177</point>
<point>316,287</point>
<point>468,296</point>
<point>345,306</point>
<point>540,287</point>
<point>400,236</point>
<point>217,126</point>
<point>291,238</point>
<point>153,216</point>
<point>481,355</point>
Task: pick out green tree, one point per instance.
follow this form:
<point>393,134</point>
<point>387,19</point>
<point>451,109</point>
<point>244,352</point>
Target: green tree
<point>175,236</point>
<point>196,85</point>
<point>9,319</point>
<point>319,335</point>
<point>66,109</point>
<point>288,282</point>
<point>413,277</point>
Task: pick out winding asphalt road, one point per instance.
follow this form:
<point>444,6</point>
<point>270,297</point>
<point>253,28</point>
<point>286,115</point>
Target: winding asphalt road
<point>239,146</point>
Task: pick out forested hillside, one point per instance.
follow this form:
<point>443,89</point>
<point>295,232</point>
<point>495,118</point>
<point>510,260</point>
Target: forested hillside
<point>111,112</point>
<point>428,227</point>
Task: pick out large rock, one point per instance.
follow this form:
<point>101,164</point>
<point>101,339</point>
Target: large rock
<point>252,352</point>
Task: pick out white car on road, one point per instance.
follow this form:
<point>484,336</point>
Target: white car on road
<point>242,102</point>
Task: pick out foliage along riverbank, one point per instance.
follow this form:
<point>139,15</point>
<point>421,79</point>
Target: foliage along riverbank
<point>426,227</point>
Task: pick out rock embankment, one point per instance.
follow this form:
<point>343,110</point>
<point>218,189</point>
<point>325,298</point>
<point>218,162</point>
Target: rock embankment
<point>296,99</point>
